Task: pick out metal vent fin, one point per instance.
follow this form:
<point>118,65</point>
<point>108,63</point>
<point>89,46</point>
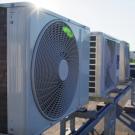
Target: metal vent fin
<point>92,64</point>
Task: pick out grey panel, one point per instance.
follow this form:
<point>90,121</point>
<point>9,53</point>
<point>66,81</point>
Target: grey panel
<point>3,70</point>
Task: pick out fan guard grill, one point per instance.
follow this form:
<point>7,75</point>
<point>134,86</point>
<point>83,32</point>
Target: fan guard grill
<point>110,64</point>
<point>52,95</point>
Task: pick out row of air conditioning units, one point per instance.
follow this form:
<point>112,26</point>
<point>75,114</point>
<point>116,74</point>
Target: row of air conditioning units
<point>49,65</point>
<point>109,63</point>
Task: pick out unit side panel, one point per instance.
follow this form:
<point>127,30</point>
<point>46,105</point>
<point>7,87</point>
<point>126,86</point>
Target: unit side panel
<point>84,67</point>
<point>122,64</point>
<point>17,42</point>
<point>100,71</point>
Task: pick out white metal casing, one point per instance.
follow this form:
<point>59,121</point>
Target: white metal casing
<point>24,25</point>
<point>124,71</point>
<point>97,86</point>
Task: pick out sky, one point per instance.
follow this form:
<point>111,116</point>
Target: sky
<point>113,17</point>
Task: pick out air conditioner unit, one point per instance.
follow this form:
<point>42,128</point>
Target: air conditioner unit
<point>44,68</point>
<point>102,64</point>
<point>124,71</point>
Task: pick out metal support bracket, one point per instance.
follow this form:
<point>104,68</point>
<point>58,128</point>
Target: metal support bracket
<point>110,121</point>
<point>108,112</point>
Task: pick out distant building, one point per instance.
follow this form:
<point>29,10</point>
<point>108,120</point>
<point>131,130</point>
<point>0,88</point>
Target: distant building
<point>132,57</point>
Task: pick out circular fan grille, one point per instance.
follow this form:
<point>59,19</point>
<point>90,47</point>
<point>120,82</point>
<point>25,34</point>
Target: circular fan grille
<point>110,64</point>
<point>55,66</point>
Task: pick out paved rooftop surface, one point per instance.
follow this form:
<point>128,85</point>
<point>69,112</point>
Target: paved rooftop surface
<point>125,123</point>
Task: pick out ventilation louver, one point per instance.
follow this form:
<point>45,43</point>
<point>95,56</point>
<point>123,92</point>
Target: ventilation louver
<point>92,65</point>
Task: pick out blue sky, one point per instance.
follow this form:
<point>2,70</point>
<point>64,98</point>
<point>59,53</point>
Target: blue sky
<point>114,17</point>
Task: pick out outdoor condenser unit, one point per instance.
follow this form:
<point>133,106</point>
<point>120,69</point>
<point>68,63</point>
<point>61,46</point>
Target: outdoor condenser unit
<point>102,64</point>
<point>44,68</point>
<point>124,71</point>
